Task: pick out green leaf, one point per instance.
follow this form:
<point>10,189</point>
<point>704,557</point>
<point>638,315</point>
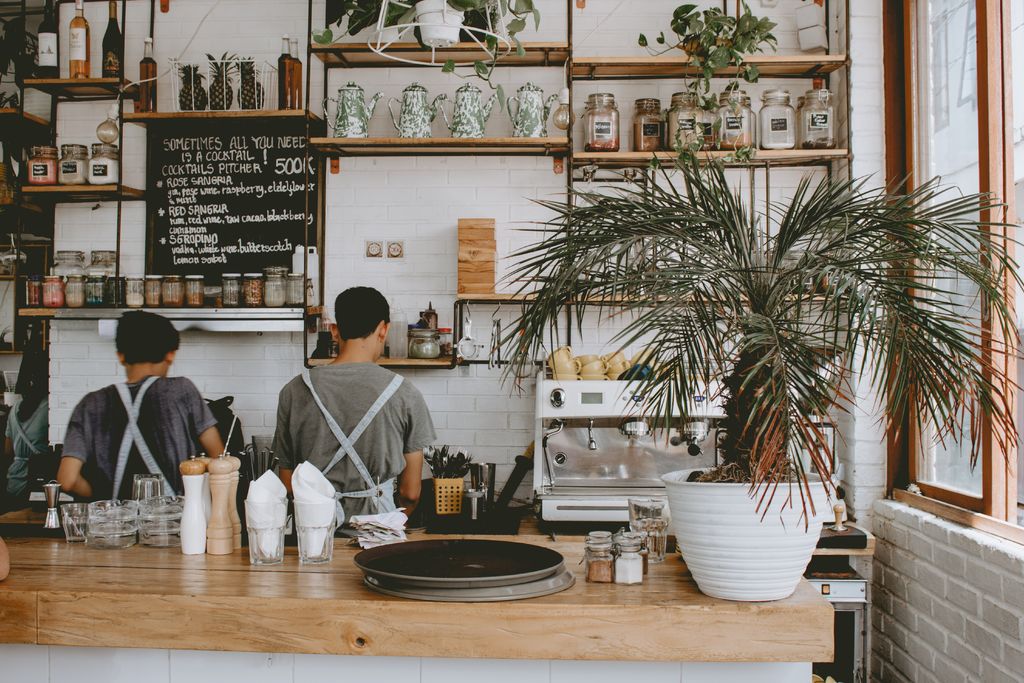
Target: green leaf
<point>520,50</point>
<point>516,25</point>
<point>449,67</point>
<point>501,96</point>
<point>642,40</point>
<point>482,70</point>
<point>536,19</point>
<point>751,73</point>
<point>325,37</point>
<point>661,38</point>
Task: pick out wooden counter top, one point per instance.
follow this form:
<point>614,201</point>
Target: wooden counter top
<point>61,594</point>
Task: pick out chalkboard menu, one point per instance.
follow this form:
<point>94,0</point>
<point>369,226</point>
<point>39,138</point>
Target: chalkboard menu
<point>228,196</point>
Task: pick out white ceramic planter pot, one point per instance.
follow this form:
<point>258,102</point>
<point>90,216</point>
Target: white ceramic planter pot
<point>439,24</point>
<point>732,553</point>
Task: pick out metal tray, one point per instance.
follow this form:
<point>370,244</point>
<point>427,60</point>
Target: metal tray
<point>556,583</point>
<point>459,563</point>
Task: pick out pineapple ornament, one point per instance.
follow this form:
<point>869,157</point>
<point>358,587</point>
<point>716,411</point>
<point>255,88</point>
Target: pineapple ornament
<point>192,95</point>
<point>222,95</point>
<point>250,90</point>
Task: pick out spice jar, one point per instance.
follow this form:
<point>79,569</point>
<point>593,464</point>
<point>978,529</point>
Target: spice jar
<point>424,343</point>
<point>777,121</point>
<point>103,167</point>
<point>134,292</point>
<point>735,120</point>
<point>601,123</point>
<point>231,289</point>
<point>53,291</point>
<point>173,291</point>
<point>252,290</point>
<point>194,290</point>
<point>274,291</point>
<point>74,160</point>
<point>75,292</point>
<point>295,289</point>
<point>69,263</point>
<point>629,565</point>
<point>154,289</point>
<point>95,286</point>
<point>647,134</point>
<point>817,118</point>
<point>42,165</point>
<point>102,262</point>
<point>684,128</point>
<point>275,270</point>
<point>34,291</point>
<point>445,334</point>
<point>597,557</point>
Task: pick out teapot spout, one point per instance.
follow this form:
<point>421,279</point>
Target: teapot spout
<point>489,105</point>
<point>547,105</point>
<point>372,104</point>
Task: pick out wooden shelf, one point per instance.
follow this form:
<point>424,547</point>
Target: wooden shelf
<point>406,363</point>
<point>770,66</point>
<point>171,117</point>
<point>786,157</point>
<point>341,55</point>
<point>367,147</point>
<point>17,123</point>
<point>82,88</point>
<point>74,194</point>
<point>497,298</point>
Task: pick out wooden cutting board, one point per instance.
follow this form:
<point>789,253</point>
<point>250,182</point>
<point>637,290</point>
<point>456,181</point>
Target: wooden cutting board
<point>477,255</point>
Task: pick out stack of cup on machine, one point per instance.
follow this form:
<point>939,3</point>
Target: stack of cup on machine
<point>315,514</point>
<point>565,366</point>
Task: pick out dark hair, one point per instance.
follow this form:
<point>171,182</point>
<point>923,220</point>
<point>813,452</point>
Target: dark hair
<point>359,310</point>
<point>145,337</point>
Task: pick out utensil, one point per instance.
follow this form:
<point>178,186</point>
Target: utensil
<point>494,357</point>
<point>481,477</point>
<point>52,491</point>
<point>467,346</point>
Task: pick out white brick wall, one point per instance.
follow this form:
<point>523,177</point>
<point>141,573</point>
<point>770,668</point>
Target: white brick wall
<point>948,601</point>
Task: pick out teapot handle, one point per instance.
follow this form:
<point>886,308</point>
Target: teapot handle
<point>444,112</point>
<point>508,105</point>
<point>434,106</point>
<point>394,118</point>
<point>327,117</point>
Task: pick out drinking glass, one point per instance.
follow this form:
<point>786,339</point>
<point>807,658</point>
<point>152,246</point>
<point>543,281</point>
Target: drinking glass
<point>160,521</point>
<point>75,518</point>
<point>315,524</point>
<point>112,524</point>
<point>267,523</point>
<point>650,517</point>
<point>147,486</point>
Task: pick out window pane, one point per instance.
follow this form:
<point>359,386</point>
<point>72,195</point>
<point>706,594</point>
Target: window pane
<point>947,135</point>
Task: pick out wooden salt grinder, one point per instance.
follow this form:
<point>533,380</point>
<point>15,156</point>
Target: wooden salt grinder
<point>236,522</point>
<point>219,532</point>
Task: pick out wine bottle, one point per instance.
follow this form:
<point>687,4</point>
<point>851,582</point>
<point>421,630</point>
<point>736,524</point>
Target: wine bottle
<point>296,97</point>
<point>284,75</point>
<point>147,79</point>
<point>47,65</point>
<point>78,60</point>
<point>112,45</point>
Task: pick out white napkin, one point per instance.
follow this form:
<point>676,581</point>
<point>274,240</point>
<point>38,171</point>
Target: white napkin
<point>315,504</point>
<point>266,508</point>
<point>382,529</point>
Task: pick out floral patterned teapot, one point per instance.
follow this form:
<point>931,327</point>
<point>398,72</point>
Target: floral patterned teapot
<point>416,115</point>
<point>530,119</point>
<point>353,112</point>
<point>470,112</point>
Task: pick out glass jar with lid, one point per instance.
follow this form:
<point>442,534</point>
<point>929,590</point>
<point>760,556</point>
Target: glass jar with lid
<point>446,340</point>
<point>735,120</point>
<point>601,123</point>
<point>295,289</point>
<point>53,291</point>
<point>102,262</point>
<point>74,291</point>
<point>69,263</point>
<point>629,564</point>
<point>817,118</point>
<point>424,343</point>
<point>777,120</point>
<point>274,294</point>
<point>74,161</point>
<point>134,291</point>
<point>275,270</point>
<point>34,291</point>
<point>599,564</point>
<point>647,124</point>
<point>95,290</point>
<point>684,128</point>
<point>252,290</point>
<point>103,167</point>
<point>173,291</point>
<point>154,290</point>
<point>231,289</point>
<point>194,290</point>
<point>42,165</point>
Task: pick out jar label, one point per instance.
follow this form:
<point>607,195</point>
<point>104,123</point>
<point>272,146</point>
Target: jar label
<point>818,120</point>
<point>69,167</point>
<point>652,130</point>
<point>709,130</point>
<point>40,170</point>
<point>99,170</point>
<point>780,125</point>
<point>687,125</point>
<point>734,123</point>
<point>602,129</point>
<point>47,49</point>
<point>78,40</point>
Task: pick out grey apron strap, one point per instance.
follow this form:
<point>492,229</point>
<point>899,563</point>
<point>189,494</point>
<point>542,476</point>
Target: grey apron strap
<point>374,489</point>
<point>132,434</point>
<point>19,431</point>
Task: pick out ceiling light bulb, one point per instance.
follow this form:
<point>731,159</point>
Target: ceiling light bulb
<point>563,117</point>
<point>108,131</point>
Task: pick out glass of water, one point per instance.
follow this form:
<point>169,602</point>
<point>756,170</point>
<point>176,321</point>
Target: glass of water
<point>650,517</point>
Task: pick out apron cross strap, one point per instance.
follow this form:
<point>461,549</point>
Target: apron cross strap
<point>133,435</point>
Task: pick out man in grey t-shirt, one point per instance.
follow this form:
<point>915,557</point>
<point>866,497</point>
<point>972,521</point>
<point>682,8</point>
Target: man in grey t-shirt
<point>361,425</point>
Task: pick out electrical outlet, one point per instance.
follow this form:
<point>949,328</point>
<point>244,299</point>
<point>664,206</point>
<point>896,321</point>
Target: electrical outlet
<point>396,249</point>
<point>374,249</point>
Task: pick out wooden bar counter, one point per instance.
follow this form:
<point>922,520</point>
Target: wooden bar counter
<point>69,594</point>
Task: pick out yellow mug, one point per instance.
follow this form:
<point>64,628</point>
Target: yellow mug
<point>614,371</point>
<point>560,356</point>
<point>594,378</point>
<point>587,360</point>
<point>595,368</point>
<point>564,376</point>
<point>613,359</point>
<point>572,367</point>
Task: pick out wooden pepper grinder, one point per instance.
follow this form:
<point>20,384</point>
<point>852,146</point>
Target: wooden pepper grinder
<point>219,532</point>
<point>236,523</point>
<point>193,518</point>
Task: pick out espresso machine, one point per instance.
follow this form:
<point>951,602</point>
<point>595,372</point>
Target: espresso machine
<point>596,449</point>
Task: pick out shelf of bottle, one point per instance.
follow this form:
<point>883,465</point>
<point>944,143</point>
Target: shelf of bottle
<point>780,157</point>
<point>83,88</point>
<point>361,55</point>
<point>76,194</point>
<point>769,66</point>
<point>169,117</point>
<point>367,147</point>
<point>398,363</point>
<point>15,123</point>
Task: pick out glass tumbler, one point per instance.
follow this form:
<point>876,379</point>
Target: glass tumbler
<point>266,522</point>
<point>314,525</point>
<point>650,517</point>
<point>74,517</point>
<point>147,486</point>
<point>160,521</point>
<point>112,524</point>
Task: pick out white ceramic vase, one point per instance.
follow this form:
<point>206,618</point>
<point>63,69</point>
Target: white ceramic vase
<point>439,23</point>
<point>731,551</point>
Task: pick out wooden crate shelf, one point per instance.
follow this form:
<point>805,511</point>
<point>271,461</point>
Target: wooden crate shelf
<point>340,55</point>
<point>365,147</point>
<point>76,194</point>
<point>171,117</point>
<point>82,88</point>
<point>770,66</point>
<point>404,363</point>
<point>786,157</point>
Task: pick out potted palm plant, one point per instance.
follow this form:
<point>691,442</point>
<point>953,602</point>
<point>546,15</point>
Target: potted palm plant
<point>777,307</point>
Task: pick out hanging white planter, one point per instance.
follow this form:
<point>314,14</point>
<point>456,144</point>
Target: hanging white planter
<point>440,26</point>
<point>439,23</point>
<point>730,550</point>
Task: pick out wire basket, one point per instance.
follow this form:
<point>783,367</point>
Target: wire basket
<point>239,84</point>
<point>448,496</point>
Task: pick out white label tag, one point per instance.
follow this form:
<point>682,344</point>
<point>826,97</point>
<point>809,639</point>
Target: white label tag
<point>78,44</point>
<point>47,49</point>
